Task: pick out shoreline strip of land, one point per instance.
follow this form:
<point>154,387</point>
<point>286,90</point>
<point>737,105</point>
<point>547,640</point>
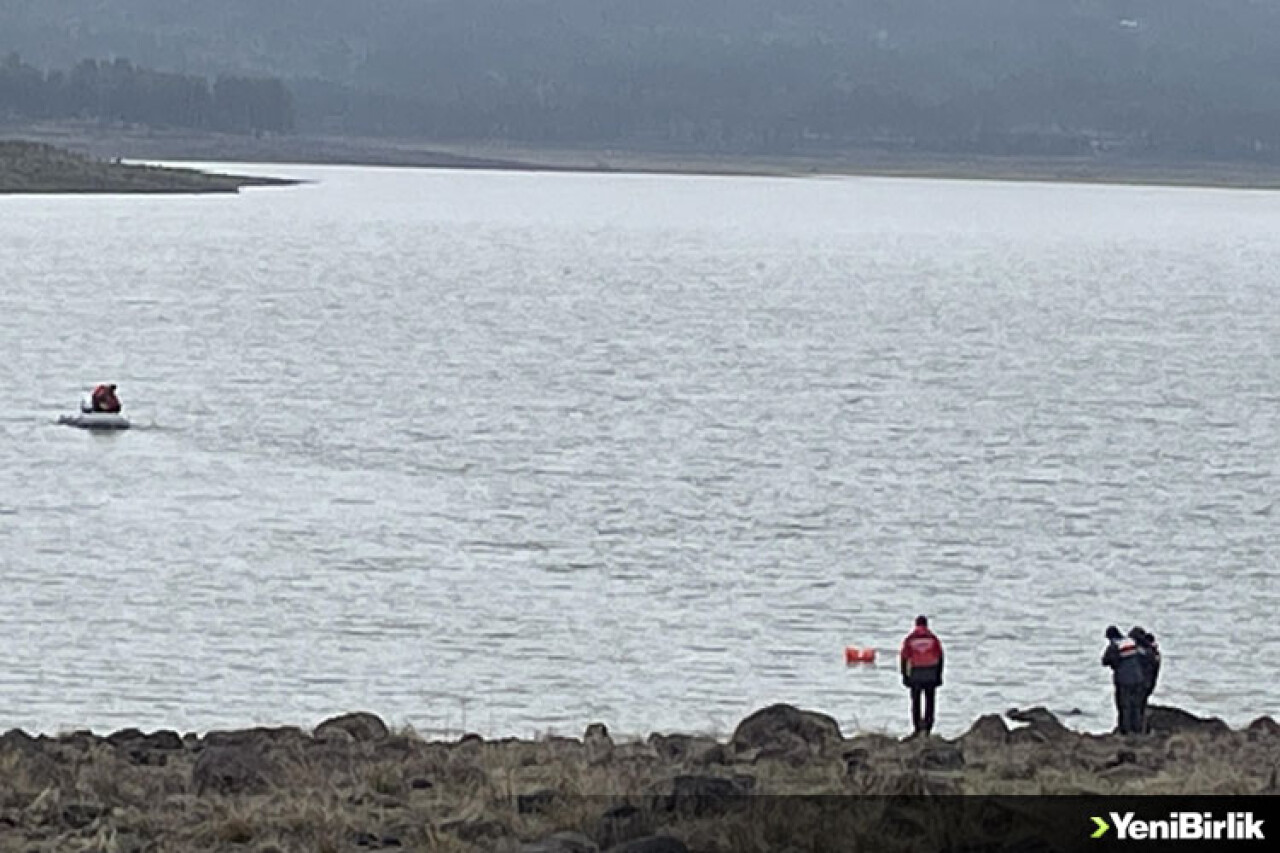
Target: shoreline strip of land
<point>40,168</point>
<point>133,143</point>
<point>354,783</point>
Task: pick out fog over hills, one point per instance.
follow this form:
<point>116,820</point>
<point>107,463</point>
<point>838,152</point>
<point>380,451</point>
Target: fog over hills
<point>1178,78</point>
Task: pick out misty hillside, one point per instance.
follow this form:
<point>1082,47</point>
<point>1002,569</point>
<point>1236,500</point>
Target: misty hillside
<point>1176,77</point>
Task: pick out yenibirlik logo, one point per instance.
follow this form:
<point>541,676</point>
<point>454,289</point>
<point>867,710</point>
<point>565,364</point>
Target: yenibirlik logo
<point>1182,826</point>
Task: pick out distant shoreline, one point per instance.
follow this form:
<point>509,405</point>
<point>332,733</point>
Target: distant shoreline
<point>39,168</point>
<point>174,146</point>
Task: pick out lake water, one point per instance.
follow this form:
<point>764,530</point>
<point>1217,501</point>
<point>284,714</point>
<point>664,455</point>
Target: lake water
<point>519,452</point>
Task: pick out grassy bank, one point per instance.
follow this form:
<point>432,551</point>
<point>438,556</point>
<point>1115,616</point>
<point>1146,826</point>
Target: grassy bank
<point>352,784</point>
<point>148,144</point>
<point>30,167</point>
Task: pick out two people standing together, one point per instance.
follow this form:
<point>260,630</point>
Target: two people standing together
<point>1135,666</point>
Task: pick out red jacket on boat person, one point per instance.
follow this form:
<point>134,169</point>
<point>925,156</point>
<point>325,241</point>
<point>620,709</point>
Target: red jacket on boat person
<point>104,399</point>
<point>921,657</point>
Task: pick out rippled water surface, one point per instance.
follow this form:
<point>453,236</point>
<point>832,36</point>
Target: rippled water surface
<point>517,452</point>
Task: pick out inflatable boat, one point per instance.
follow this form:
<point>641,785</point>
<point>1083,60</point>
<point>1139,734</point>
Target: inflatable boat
<point>95,420</point>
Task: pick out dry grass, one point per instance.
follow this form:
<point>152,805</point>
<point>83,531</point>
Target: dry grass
<point>300,793</point>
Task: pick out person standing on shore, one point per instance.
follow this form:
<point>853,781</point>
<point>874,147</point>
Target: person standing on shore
<point>921,663</point>
<point>1129,675</point>
<point>1151,665</point>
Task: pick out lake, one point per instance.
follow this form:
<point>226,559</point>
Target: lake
<point>516,452</point>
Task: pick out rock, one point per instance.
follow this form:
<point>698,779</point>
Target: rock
<point>1164,720</point>
<point>17,740</point>
<point>623,823</point>
<point>1263,728</point>
<point>1124,756</point>
<point>259,737</point>
<point>598,744</point>
<point>856,760</point>
<point>561,842</point>
<point>134,740</point>
<point>125,736</point>
<point>651,844</point>
<point>988,729</point>
<point>697,750</point>
<point>81,739</point>
<point>1037,716</point>
<point>80,815</point>
<point>944,756</point>
<point>420,783</point>
<point>699,795</point>
<point>230,770</point>
<point>361,726</point>
<point>1042,726</point>
<point>788,729</point>
<point>537,802</point>
<point>164,740</point>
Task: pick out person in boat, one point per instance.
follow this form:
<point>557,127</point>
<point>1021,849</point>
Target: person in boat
<point>921,663</point>
<point>104,399</point>
<point>1129,673</point>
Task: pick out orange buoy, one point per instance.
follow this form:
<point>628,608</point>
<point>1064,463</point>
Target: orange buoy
<point>853,654</point>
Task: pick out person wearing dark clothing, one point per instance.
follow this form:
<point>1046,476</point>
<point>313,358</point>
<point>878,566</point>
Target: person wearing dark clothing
<point>1129,675</point>
<point>921,663</point>
<point>104,399</point>
<point>1150,661</point>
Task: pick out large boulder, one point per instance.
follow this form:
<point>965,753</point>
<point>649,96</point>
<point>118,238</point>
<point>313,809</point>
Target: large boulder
<point>1041,726</point>
<point>785,729</point>
<point>361,727</point>
<point>259,737</point>
<point>1163,720</point>
<point>1263,728</point>
<point>987,730</point>
<point>231,770</point>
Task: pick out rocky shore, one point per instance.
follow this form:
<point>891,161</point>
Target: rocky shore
<point>353,784</point>
<point>30,167</point>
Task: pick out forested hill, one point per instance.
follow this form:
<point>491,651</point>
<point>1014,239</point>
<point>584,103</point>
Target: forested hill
<point>1170,77</point>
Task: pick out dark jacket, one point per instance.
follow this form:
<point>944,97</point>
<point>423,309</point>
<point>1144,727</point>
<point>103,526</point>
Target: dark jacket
<point>1127,661</point>
<point>104,399</point>
<point>1150,658</point>
<point>921,659</point>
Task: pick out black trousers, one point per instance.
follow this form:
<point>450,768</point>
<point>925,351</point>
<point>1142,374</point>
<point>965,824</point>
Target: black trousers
<point>1131,700</point>
<point>922,722</point>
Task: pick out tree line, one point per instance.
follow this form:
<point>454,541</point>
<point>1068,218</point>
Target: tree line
<point>120,91</point>
<point>1152,79</point>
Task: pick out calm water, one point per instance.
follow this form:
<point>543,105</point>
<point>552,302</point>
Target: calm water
<point>520,452</point>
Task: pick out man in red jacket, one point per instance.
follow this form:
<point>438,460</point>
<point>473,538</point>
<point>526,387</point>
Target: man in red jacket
<point>104,399</point>
<point>921,663</point>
